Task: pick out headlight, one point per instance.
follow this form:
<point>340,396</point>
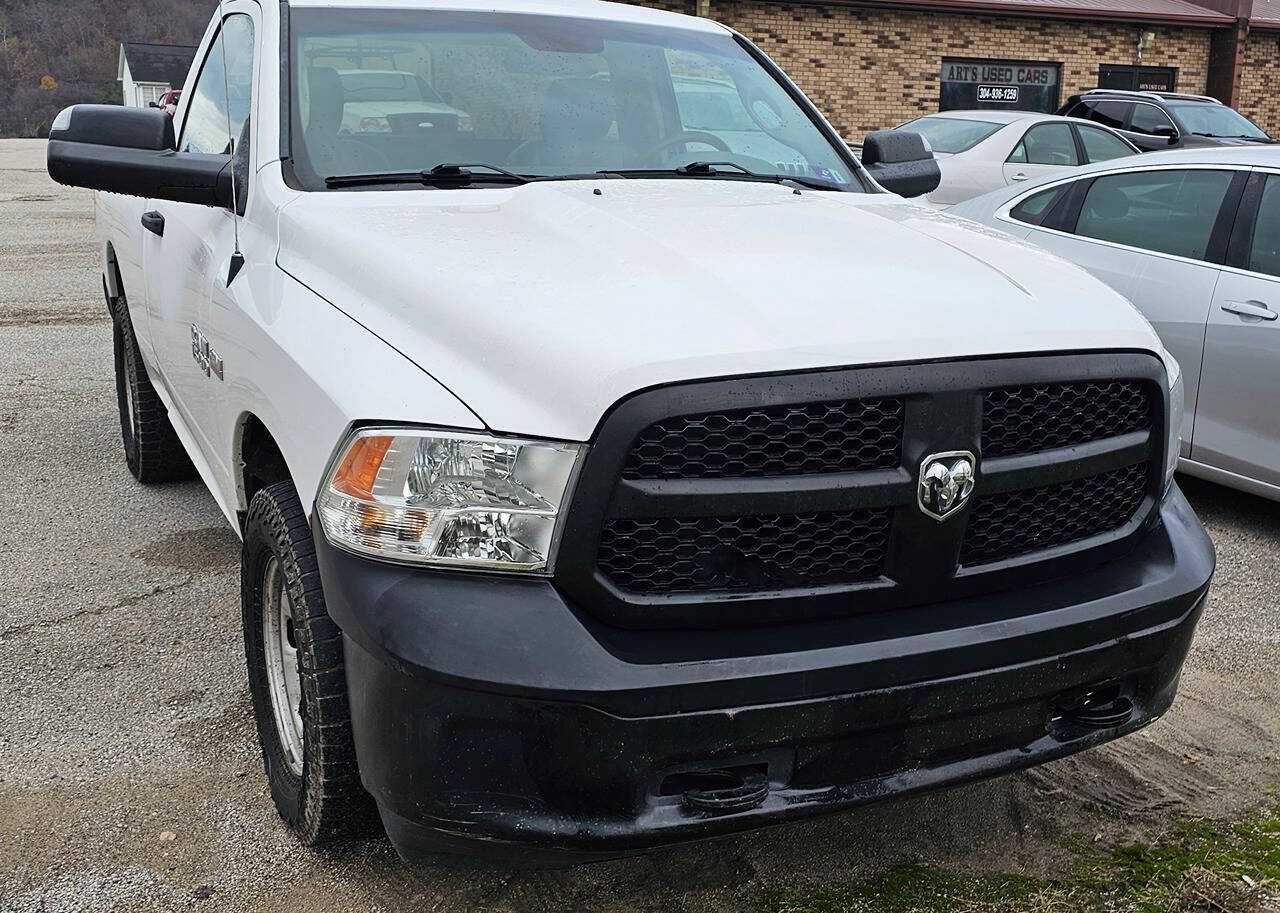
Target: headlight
<point>450,499</point>
<point>1173,431</point>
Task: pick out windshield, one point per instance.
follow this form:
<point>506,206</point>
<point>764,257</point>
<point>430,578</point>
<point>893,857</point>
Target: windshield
<point>1215,120</point>
<point>401,91</point>
<point>951,134</point>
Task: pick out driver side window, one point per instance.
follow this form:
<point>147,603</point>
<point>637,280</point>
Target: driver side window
<point>221,98</point>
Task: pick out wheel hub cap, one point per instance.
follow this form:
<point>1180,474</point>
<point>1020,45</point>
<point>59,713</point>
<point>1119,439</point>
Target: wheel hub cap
<point>281,651</point>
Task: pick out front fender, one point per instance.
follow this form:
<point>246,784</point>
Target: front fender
<point>308,372</point>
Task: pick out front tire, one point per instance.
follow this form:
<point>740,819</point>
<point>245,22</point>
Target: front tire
<point>297,675</point>
<point>152,449</point>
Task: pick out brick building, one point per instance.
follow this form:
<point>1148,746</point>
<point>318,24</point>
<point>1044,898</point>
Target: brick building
<point>871,64</point>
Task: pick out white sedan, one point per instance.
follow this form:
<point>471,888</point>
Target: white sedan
<point>981,151</point>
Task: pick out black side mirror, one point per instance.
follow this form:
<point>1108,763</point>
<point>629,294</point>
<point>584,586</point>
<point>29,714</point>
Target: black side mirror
<point>153,104</point>
<point>901,162</point>
<point>131,151</point>
<point>1166,130</point>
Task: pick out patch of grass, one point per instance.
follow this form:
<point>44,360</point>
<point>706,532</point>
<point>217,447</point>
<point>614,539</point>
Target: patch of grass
<point>1204,867</point>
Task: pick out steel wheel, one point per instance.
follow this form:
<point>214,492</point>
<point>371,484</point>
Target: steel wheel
<point>280,647</point>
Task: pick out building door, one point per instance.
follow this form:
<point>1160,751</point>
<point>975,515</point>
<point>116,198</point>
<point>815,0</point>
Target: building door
<point>999,84</point>
<point>1137,79</point>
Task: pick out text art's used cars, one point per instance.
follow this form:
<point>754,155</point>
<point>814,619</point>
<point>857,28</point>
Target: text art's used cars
<point>618,461</point>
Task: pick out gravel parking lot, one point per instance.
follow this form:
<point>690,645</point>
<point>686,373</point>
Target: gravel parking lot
<point>130,776</point>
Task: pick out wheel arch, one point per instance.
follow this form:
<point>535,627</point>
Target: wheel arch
<point>259,461</point>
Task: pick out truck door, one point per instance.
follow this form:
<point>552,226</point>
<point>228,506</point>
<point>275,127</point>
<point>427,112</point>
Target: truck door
<point>187,248</point>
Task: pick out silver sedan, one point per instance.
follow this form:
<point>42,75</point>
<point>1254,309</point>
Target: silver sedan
<point>978,151</point>
<point>1192,238</point>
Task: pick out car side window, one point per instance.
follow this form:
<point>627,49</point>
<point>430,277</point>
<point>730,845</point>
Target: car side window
<point>1110,113</point>
<point>1034,208</point>
<point>1079,109</point>
<point>1264,252</point>
<point>1101,146</point>
<point>1046,144</point>
<point>1167,211</point>
<point>1147,119</point>
<point>220,100</point>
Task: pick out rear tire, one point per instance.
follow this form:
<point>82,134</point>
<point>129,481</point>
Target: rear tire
<point>152,449</point>
<point>297,675</point>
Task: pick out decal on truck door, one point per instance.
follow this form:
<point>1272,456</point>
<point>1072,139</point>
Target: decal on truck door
<point>208,360</point>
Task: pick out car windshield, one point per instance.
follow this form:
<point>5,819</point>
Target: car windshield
<point>1215,120</point>
<point>951,134</point>
<point>398,92</point>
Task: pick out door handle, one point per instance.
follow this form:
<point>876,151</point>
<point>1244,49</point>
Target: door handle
<point>1018,177</point>
<point>1249,309</point>
<point>153,222</point>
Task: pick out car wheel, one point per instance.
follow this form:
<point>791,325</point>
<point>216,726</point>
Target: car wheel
<point>297,677</point>
<point>152,449</point>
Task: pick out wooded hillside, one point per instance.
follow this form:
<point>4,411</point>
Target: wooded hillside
<point>55,53</point>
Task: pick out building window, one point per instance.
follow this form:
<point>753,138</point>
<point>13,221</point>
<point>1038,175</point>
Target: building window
<point>1017,84</point>
<point>1139,79</point>
<point>147,94</point>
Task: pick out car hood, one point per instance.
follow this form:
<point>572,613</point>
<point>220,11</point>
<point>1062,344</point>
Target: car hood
<point>542,305</point>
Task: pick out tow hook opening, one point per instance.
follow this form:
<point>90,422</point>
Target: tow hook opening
<point>721,791</point>
<point>1099,708</point>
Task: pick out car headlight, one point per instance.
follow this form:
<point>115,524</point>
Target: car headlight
<point>1173,430</point>
<point>453,499</point>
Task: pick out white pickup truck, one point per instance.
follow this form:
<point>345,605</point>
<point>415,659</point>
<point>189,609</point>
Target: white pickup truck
<point>602,482</point>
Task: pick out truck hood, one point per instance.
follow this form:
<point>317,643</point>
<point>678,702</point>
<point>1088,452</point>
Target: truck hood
<point>542,305</point>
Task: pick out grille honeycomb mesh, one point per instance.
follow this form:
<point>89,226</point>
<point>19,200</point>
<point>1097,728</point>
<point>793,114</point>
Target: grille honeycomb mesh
<point>848,436</point>
<point>1017,523</point>
<point>1029,419</point>
<point>744,553</point>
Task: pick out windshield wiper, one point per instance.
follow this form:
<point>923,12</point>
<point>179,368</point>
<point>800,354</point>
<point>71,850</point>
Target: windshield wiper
<point>447,174</point>
<point>709,169</point>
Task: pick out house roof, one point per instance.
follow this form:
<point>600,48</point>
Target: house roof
<point>1182,12</point>
<point>1266,14</point>
<point>158,63</point>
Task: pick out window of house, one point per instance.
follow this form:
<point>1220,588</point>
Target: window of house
<point>1139,79</point>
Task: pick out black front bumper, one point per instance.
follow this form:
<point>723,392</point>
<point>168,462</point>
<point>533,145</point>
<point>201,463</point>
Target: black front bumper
<point>494,718</point>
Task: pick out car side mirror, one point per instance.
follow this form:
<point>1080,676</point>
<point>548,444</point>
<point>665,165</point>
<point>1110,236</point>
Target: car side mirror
<point>901,162</point>
<point>131,151</point>
<point>1166,130</point>
<point>153,104</point>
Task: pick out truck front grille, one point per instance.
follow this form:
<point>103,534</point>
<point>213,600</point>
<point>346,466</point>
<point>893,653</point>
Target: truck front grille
<point>678,555</point>
<point>1018,523</point>
<point>843,436</point>
<point>1039,417</point>
<point>693,509</point>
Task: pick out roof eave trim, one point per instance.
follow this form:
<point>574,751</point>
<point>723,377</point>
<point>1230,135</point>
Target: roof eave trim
<point>1206,20</point>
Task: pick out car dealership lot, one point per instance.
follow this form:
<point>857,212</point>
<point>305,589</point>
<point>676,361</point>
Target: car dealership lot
<point>128,760</point>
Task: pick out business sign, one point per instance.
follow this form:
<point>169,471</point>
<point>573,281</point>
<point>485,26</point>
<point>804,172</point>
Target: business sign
<point>1143,79</point>
<point>1023,85</point>
<point>1005,94</point>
